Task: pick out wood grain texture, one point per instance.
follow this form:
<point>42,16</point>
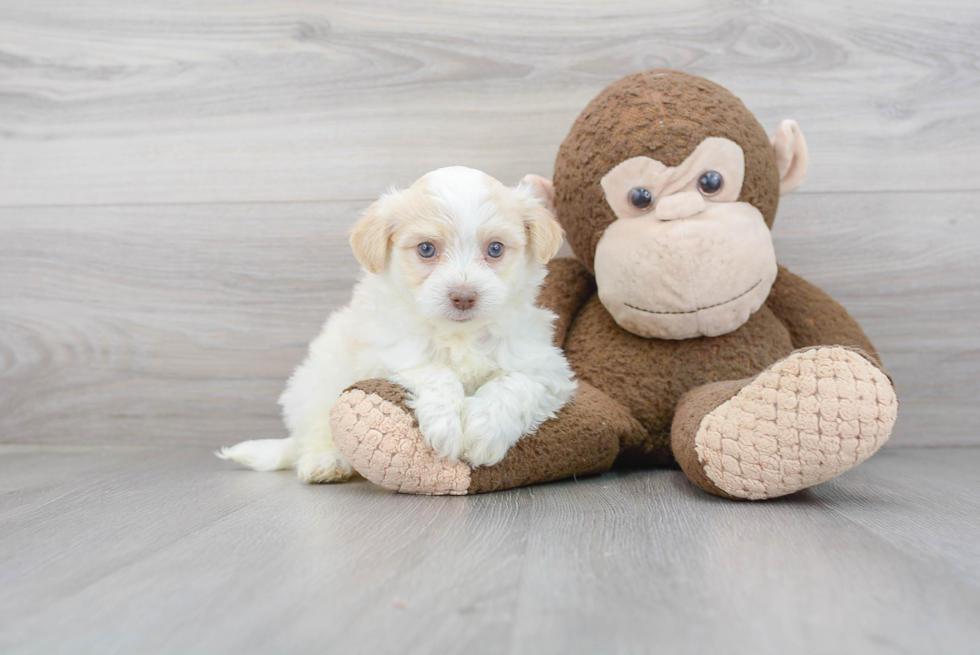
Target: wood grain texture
<point>180,324</point>
<point>176,180</point>
<point>907,266</point>
<point>115,101</point>
<point>169,323</point>
<point>169,550</point>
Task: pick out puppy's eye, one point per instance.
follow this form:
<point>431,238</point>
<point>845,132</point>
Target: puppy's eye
<point>495,249</point>
<point>640,198</point>
<point>710,183</point>
<point>427,250</point>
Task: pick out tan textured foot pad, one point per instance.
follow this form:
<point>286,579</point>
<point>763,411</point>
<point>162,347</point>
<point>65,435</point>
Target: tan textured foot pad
<point>382,442</point>
<point>805,420</point>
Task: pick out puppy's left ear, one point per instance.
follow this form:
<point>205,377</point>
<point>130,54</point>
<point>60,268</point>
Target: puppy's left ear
<point>543,189</point>
<point>544,232</point>
<point>369,237</point>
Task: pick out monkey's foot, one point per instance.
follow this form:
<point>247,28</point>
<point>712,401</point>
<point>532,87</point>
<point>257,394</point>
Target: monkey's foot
<point>377,433</point>
<point>806,419</point>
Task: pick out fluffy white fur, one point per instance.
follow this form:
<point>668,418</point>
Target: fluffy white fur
<point>479,378</point>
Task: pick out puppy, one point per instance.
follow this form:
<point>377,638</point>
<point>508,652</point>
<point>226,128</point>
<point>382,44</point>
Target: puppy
<point>445,308</point>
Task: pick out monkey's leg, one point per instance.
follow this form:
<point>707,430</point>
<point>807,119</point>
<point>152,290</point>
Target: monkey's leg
<point>377,433</point>
<point>806,419</point>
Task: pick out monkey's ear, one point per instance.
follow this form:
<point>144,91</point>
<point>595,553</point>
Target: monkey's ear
<point>543,188</point>
<point>369,237</point>
<point>791,155</point>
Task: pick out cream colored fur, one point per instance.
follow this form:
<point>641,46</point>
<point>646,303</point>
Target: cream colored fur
<point>791,156</point>
<point>690,264</point>
<point>478,378</point>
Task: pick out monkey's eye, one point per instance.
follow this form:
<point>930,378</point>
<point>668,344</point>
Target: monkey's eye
<point>427,250</point>
<point>710,183</point>
<point>640,198</point>
<point>495,249</point>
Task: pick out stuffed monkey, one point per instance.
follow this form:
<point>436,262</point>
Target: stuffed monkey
<point>692,346</point>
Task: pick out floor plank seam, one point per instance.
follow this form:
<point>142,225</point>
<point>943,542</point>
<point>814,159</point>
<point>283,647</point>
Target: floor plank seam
<point>370,199</point>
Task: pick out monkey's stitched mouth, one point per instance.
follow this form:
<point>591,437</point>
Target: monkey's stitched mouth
<point>694,311</point>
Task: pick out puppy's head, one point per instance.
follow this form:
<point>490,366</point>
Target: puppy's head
<point>461,244</point>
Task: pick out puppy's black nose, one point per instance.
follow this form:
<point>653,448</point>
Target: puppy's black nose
<point>463,299</point>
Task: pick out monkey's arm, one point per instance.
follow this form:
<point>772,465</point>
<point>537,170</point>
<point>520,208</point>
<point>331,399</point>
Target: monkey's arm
<point>565,290</point>
<point>812,317</point>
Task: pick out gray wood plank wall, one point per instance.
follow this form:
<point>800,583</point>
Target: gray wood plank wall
<point>176,179</point>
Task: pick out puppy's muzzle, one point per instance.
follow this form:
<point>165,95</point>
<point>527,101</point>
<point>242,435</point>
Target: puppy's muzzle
<point>462,299</point>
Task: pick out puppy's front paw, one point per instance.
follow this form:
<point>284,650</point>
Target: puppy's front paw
<point>323,466</point>
<point>488,433</point>
<point>441,428</point>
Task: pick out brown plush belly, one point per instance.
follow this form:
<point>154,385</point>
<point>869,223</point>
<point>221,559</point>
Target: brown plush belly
<point>649,376</point>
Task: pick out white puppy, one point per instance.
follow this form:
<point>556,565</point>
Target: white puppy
<point>446,309</point>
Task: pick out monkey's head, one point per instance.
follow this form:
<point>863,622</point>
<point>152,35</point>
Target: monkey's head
<point>667,188</point>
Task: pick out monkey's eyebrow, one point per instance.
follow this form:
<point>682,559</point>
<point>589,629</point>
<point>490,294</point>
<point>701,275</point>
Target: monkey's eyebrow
<point>640,169</point>
<point>723,154</point>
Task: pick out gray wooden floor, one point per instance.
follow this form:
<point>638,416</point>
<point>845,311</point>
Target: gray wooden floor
<point>176,179</point>
<point>147,550</point>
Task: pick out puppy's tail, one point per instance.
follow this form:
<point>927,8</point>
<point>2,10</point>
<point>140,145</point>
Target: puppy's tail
<point>263,454</point>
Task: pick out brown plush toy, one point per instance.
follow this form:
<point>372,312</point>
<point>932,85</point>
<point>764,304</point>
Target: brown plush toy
<point>692,346</point>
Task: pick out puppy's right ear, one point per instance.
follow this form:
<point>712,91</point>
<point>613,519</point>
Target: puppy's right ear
<point>369,237</point>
